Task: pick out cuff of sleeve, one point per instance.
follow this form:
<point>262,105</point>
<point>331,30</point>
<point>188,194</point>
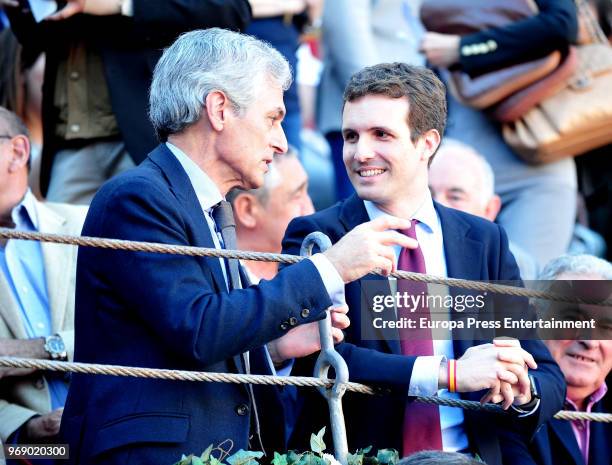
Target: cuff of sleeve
<point>334,285</point>
<point>425,375</point>
<point>525,413</point>
<point>281,370</point>
<point>127,8</point>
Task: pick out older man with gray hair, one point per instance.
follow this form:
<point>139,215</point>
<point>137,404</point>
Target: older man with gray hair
<point>216,102</point>
<point>585,360</point>
<point>461,178</point>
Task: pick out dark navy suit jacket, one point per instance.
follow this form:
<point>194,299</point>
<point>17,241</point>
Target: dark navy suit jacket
<point>168,311</point>
<point>555,443</point>
<point>475,249</point>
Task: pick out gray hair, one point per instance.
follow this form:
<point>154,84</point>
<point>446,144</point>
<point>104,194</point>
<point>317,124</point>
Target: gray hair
<point>271,180</point>
<point>578,264</point>
<point>14,124</point>
<point>488,178</point>
<point>437,457</point>
<point>202,61</point>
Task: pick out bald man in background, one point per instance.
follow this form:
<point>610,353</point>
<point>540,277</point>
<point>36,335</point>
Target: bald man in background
<point>461,178</point>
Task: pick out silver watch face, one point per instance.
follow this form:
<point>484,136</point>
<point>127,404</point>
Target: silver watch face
<point>55,346</point>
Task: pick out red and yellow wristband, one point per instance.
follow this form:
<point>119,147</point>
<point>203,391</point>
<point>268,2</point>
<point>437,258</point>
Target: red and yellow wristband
<point>452,375</point>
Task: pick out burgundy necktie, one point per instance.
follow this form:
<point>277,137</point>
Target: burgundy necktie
<point>421,421</point>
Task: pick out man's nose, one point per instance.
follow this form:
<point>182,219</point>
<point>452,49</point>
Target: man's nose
<point>363,150</point>
<point>279,140</point>
<point>307,206</point>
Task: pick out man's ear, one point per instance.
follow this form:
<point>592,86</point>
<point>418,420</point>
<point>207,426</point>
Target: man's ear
<point>493,207</point>
<point>217,105</point>
<point>246,208</point>
<point>20,153</point>
<point>429,143</point>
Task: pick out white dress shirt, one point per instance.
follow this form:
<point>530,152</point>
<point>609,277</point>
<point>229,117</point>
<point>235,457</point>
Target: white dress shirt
<point>424,379</point>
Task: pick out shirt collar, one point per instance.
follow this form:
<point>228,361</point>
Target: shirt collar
<point>206,190</point>
<point>24,214</point>
<point>426,214</point>
<point>597,395</point>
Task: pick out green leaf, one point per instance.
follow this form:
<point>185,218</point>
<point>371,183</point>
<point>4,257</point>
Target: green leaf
<point>317,444</point>
<point>184,460</point>
<point>309,458</point>
<point>279,459</point>
<point>206,454</point>
<point>245,457</point>
<point>293,457</point>
<point>388,456</point>
<point>355,459</point>
<point>214,461</point>
<point>365,450</point>
<point>196,461</point>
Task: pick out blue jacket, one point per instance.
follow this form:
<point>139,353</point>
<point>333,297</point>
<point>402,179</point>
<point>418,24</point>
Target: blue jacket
<point>475,249</point>
<point>168,311</point>
<point>555,443</point>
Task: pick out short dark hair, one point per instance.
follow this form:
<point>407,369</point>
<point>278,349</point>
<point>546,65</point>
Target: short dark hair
<point>426,94</point>
<point>437,457</point>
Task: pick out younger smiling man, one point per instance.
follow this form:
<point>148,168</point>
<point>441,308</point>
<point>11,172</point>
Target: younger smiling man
<point>393,120</point>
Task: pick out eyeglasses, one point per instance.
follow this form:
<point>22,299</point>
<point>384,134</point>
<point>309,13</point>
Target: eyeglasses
<point>5,136</point>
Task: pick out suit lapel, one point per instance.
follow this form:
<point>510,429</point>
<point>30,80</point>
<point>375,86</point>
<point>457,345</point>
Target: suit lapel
<point>57,259</point>
<point>9,311</point>
<point>563,430</point>
<point>183,190</point>
<point>459,248</point>
<point>201,236</point>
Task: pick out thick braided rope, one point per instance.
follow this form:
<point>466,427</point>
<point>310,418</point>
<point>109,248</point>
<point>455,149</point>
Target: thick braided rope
<point>303,381</point>
<point>117,244</point>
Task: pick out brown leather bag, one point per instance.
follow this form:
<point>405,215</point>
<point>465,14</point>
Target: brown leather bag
<point>525,83</point>
<point>519,103</point>
<point>573,121</point>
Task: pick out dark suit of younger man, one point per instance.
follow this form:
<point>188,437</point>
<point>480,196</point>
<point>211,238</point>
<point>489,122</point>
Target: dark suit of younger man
<point>475,249</point>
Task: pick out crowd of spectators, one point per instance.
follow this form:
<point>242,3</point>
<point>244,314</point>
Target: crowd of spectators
<point>74,113</point>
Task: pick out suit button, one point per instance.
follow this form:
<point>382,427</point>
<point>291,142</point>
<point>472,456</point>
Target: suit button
<point>293,321</point>
<point>284,326</point>
<point>305,313</point>
<point>242,409</point>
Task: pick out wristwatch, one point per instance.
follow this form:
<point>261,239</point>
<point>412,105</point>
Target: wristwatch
<point>54,346</point>
<point>533,403</point>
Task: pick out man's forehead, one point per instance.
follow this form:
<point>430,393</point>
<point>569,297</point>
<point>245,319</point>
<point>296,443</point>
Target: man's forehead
<point>374,108</point>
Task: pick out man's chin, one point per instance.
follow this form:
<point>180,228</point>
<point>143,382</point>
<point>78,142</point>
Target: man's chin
<point>370,193</point>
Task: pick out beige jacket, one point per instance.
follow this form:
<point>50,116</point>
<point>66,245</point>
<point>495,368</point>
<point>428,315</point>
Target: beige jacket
<point>23,397</point>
